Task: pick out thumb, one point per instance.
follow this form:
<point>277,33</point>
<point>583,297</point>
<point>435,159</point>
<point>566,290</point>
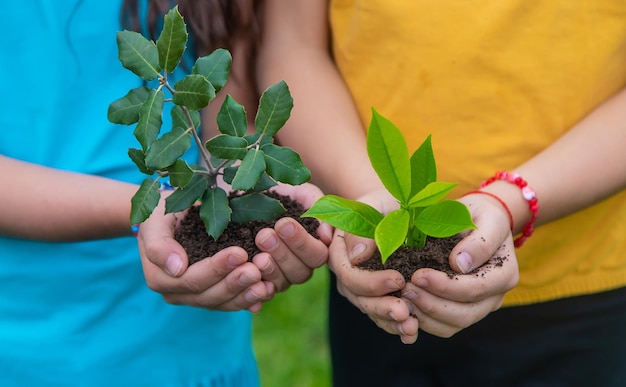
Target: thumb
<point>478,247</point>
<point>157,245</point>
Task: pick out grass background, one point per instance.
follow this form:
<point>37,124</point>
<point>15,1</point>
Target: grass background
<point>290,336</point>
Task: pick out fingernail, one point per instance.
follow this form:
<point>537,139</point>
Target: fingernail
<point>173,265</point>
<point>410,295</point>
<point>286,229</point>
<point>234,260</point>
<point>251,296</point>
<point>464,261</point>
<point>392,285</point>
<point>244,280</point>
<point>421,282</point>
<point>401,330</point>
<point>392,316</point>
<point>270,243</point>
<point>356,250</point>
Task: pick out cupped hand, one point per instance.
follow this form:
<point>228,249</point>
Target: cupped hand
<point>226,281</point>
<point>445,306</point>
<point>369,290</point>
<point>289,253</point>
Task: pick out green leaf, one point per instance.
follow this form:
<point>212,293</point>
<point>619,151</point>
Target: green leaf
<point>349,215</point>
<point>255,206</point>
<point>261,141</point>
<point>173,40</point>
<point>144,201</point>
<point>391,232</point>
<point>215,67</point>
<point>180,120</point>
<point>274,109</point>
<point>193,91</point>
<point>125,110</point>
<point>215,211</point>
<point>285,165</point>
<point>231,118</point>
<point>444,219</point>
<point>139,158</point>
<point>389,156</point>
<point>180,174</point>
<point>431,194</point>
<point>184,198</point>
<point>423,167</point>
<point>138,54</point>
<point>250,171</point>
<point>167,149</point>
<point>150,119</point>
<point>265,183</point>
<point>227,147</point>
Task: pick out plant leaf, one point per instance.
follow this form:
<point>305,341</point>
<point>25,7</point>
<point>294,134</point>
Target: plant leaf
<point>391,232</point>
<point>138,54</point>
<point>180,174</point>
<point>215,211</point>
<point>250,171</point>
<point>139,158</point>
<point>423,167</point>
<point>125,110</point>
<point>144,201</point>
<point>185,197</point>
<point>255,206</point>
<point>231,118</point>
<point>389,156</point>
<point>180,120</point>
<point>167,149</point>
<point>349,215</point>
<point>227,147</point>
<point>265,183</point>
<point>214,67</point>
<point>274,109</point>
<point>194,91</point>
<point>431,194</point>
<point>444,219</point>
<point>150,119</point>
<point>173,40</point>
<point>285,165</point>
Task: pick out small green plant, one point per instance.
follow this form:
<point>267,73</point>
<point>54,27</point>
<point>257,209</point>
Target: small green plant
<point>412,181</point>
<point>250,163</point>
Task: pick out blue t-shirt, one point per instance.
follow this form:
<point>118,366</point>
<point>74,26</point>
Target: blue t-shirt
<point>80,314</point>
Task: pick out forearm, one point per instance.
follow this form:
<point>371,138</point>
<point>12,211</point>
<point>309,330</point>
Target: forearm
<point>585,166</point>
<point>324,127</point>
<point>52,205</point>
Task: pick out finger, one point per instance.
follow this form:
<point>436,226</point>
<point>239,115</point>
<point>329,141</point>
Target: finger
<point>359,249</point>
<point>497,276</point>
<point>358,281</point>
<point>241,289</point>
<point>270,271</point>
<point>492,231</point>
<point>445,318</point>
<point>157,244</point>
<point>201,275</point>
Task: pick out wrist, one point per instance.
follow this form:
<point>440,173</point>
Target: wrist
<point>519,197</point>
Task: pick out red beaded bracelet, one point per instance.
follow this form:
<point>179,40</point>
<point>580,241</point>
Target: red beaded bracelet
<point>527,193</point>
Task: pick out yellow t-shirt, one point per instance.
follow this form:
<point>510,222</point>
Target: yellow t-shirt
<point>495,82</point>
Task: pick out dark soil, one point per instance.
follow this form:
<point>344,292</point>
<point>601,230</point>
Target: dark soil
<point>192,235</point>
<point>434,255</point>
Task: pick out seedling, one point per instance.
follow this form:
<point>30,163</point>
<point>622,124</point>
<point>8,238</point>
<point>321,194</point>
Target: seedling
<point>250,163</point>
<point>412,181</point>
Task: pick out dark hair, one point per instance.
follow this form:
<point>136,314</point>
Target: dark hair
<point>212,23</point>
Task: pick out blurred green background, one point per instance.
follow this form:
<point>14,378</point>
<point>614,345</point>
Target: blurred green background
<point>290,336</point>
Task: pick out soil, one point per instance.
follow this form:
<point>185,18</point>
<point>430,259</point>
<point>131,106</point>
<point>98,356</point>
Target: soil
<point>191,234</point>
